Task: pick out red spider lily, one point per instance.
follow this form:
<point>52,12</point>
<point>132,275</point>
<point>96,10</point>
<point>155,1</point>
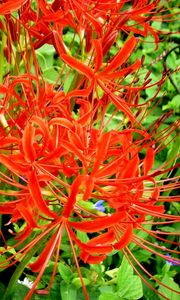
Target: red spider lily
<point>103,78</point>
<point>110,169</point>
<point>106,165</point>
<point>82,18</point>
<point>57,163</point>
<point>9,6</point>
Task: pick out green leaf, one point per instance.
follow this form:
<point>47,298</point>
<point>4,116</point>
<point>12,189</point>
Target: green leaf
<point>173,104</point>
<point>149,45</point>
<point>133,290</point>
<point>65,272</point>
<point>112,273</point>
<point>54,292</point>
<point>51,74</point>
<point>82,236</point>
<point>20,292</point>
<point>157,25</point>
<point>77,282</point>
<point>111,296</point>
<point>68,291</point>
<point>45,56</point>
<point>68,82</point>
<point>172,154</point>
<point>125,272</point>
<point>2,288</point>
<point>92,293</point>
<point>171,284</point>
<point>106,289</point>
<point>142,255</point>
<point>46,49</point>
<point>170,229</point>
<point>148,293</point>
<point>142,234</point>
<point>42,61</point>
<point>129,285</point>
<point>3,262</point>
<point>171,59</point>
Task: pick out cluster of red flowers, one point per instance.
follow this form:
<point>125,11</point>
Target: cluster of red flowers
<point>63,152</point>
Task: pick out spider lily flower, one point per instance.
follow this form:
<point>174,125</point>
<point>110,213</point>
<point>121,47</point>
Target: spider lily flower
<point>63,152</point>
<point>107,166</point>
<point>11,6</point>
<point>48,22</point>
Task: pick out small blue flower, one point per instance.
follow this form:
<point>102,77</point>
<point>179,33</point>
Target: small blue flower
<point>99,205</point>
<point>172,263</point>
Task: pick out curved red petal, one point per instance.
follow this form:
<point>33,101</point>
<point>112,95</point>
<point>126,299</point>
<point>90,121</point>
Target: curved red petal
<point>35,192</point>
<point>100,223</point>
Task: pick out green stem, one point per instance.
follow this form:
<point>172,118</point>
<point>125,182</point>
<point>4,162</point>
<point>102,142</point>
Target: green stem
<point>3,44</point>
<point>19,270</point>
